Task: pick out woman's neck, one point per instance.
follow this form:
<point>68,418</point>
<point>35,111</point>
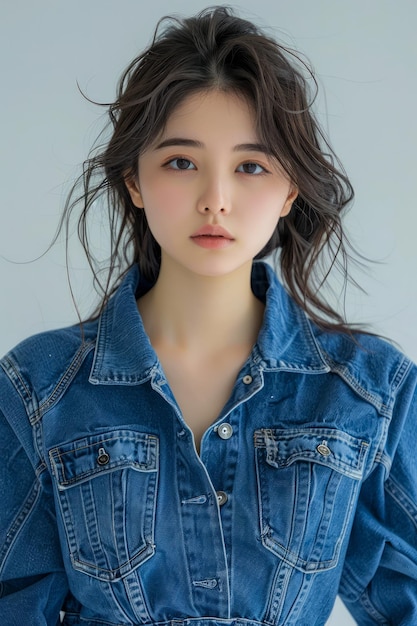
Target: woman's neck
<point>201,314</point>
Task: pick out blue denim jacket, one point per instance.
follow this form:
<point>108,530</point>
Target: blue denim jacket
<point>306,485</point>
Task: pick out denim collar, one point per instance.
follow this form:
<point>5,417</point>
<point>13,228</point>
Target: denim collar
<point>124,355</point>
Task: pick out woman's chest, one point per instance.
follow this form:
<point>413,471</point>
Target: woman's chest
<point>136,501</point>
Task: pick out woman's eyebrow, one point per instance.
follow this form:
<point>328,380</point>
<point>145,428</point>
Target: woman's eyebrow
<point>252,147</point>
<point>193,143</point>
<point>179,141</point>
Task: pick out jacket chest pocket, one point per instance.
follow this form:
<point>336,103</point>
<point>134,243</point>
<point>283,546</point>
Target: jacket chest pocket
<point>106,486</point>
<point>307,486</point>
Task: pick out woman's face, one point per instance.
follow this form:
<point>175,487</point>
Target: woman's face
<point>211,193</point>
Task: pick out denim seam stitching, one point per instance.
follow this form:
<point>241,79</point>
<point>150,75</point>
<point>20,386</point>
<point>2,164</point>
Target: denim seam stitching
<point>401,373</point>
<point>19,521</point>
<point>384,460</point>
<point>344,373</point>
<point>63,382</point>
<point>12,372</point>
<point>370,609</point>
<point>394,489</point>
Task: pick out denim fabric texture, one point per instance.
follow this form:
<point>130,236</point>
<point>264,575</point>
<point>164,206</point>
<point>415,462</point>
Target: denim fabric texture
<point>305,487</point>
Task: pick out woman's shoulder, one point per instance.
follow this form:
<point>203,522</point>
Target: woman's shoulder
<point>359,349</point>
<point>371,365</point>
<point>40,361</point>
<point>48,360</point>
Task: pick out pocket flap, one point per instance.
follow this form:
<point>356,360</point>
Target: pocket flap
<point>327,446</point>
<point>84,458</point>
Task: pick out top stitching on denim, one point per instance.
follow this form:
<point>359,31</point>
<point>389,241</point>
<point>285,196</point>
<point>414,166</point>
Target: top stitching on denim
<point>63,382</point>
<point>401,498</point>
<point>12,372</point>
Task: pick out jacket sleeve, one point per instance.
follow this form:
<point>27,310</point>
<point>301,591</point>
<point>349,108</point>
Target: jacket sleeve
<point>379,581</point>
<point>33,583</point>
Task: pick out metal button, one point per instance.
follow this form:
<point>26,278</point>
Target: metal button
<point>247,379</point>
<point>225,431</point>
<point>323,449</point>
<point>221,497</point>
<point>103,458</point>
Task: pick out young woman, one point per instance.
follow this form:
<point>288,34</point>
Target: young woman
<point>211,447</point>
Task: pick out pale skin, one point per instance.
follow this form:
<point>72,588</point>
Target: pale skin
<point>207,169</point>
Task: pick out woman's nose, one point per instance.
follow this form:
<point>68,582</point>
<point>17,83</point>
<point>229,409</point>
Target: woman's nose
<point>215,196</point>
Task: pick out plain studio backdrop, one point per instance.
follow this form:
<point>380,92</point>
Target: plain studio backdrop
<point>365,58</point>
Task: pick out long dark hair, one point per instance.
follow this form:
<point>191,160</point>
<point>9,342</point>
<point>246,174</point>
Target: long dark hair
<point>217,49</point>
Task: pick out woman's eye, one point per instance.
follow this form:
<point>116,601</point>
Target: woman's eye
<point>181,164</point>
<point>251,168</point>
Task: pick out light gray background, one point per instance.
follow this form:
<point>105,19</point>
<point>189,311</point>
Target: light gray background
<point>364,53</point>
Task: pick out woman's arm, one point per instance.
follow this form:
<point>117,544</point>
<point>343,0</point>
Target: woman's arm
<point>379,582</point>
<point>33,583</point>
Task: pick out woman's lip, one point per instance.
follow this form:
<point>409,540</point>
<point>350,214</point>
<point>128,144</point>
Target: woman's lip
<point>211,242</point>
<point>212,230</point>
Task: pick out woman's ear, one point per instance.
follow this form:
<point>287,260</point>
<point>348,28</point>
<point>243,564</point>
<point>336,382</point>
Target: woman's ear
<point>132,185</point>
<point>292,195</point>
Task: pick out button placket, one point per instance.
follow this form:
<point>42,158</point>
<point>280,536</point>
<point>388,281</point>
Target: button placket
<point>224,431</point>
